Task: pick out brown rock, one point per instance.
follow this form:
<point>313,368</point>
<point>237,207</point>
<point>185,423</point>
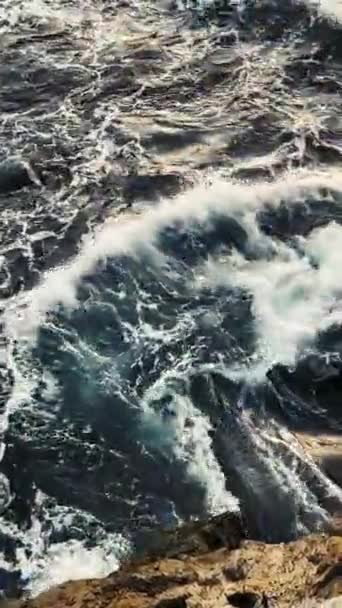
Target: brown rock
<point>331,583</point>
<point>225,530</point>
<point>245,574</point>
<point>326,450</point>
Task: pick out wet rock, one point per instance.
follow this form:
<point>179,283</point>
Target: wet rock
<point>312,389</point>
<point>327,32</point>
<point>151,586</point>
<point>331,583</point>
<point>13,176</point>
<point>326,450</point>
<point>151,187</point>
<point>10,583</point>
<point>279,575</point>
<point>253,173</point>
<point>332,465</point>
<point>165,141</point>
<point>222,531</point>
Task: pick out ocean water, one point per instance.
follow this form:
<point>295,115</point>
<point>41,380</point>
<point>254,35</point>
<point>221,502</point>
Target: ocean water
<point>170,274</point>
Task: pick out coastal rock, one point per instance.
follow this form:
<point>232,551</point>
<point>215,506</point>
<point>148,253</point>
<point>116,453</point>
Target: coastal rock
<point>241,573</point>
<point>150,187</point>
<point>197,538</point>
<point>326,450</point>
<point>13,176</point>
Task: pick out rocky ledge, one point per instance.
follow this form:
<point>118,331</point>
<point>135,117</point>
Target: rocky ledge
<point>212,565</point>
<point>326,450</point>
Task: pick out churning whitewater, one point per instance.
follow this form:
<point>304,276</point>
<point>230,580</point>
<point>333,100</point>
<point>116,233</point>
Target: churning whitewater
<point>171,271</point>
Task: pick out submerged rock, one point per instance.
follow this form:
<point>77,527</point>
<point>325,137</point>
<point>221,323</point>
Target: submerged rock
<point>14,175</point>
<point>151,187</point>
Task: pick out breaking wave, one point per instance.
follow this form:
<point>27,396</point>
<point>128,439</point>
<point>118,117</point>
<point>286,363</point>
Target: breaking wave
<point>170,275</point>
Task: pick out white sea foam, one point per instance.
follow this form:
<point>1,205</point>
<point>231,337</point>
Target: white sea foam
<point>128,234</point>
<point>185,434</point>
<point>332,8</point>
<point>69,561</point>
<point>294,296</point>
<point>43,566</point>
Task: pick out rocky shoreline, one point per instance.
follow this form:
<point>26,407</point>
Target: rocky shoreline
<point>212,564</point>
<point>326,450</point>
<point>307,572</point>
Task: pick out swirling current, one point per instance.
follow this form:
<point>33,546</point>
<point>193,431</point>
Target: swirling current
<point>170,266</point>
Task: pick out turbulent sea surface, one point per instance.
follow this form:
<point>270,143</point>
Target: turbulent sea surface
<point>170,273</point>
